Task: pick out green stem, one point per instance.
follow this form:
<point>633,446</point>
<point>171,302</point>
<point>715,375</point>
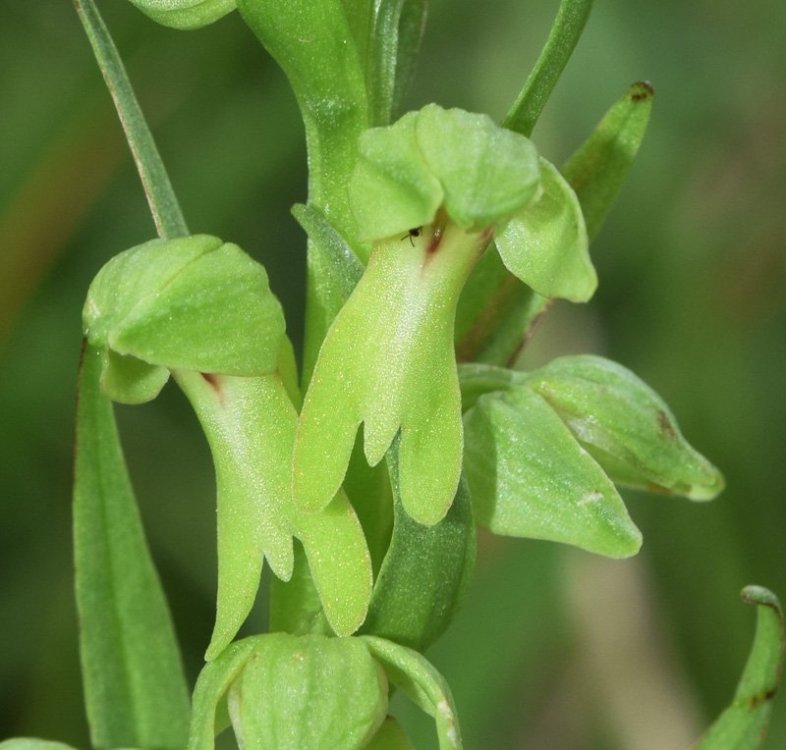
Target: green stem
<point>564,35</point>
<point>161,198</point>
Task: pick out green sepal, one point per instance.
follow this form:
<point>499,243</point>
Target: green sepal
<point>626,426</point>
<point>210,690</point>
<point>743,725</point>
<point>33,743</point>
<point>529,477</point>
<point>545,245</point>
<point>194,303</point>
<point>389,737</point>
<point>480,173</point>
<point>424,573</point>
<point>250,426</point>
<point>135,688</point>
<point>128,380</point>
<point>336,694</point>
<point>388,362</point>
<point>185,14</point>
<point>598,168</point>
<point>423,685</point>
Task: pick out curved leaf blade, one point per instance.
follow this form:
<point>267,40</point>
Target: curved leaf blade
<point>135,689</point>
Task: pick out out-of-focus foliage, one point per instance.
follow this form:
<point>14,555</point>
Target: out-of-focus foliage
<point>691,266</point>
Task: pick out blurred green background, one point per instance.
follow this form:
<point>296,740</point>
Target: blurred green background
<point>554,649</point>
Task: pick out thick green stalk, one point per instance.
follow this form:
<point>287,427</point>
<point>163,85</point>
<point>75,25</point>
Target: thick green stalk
<point>161,198</point>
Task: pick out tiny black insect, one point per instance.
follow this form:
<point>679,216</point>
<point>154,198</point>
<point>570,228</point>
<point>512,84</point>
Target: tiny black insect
<point>412,233</point>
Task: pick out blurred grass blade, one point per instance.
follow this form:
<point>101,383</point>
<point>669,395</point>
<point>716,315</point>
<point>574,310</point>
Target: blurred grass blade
<point>743,725</point>
<point>564,35</point>
<point>135,689</point>
<point>164,206</point>
<point>598,168</point>
<point>32,743</point>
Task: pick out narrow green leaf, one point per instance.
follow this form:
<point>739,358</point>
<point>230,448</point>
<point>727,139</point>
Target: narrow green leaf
<point>211,687</point>
<point>563,37</point>
<point>626,426</point>
<point>545,245</point>
<point>185,14</point>
<point>389,737</point>
<point>529,477</point>
<point>194,303</point>
<point>335,695</point>
<point>163,203</point>
<point>598,168</point>
<point>422,683</point>
<point>135,690</point>
<point>743,725</point>
<point>424,573</point>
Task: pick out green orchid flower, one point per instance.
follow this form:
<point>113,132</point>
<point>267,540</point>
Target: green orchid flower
<point>201,310</point>
<point>429,192</point>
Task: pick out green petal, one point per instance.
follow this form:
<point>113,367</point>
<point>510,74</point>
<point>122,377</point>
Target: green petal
<point>249,424</point>
<point>545,245</point>
<point>423,684</point>
<point>193,303</point>
<point>185,14</point>
<point>335,696</point>
<point>211,686</point>
<point>488,173</point>
<point>129,380</point>
<point>392,187</point>
<point>626,426</point>
<point>480,173</point>
<point>529,477</point>
<point>388,362</point>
